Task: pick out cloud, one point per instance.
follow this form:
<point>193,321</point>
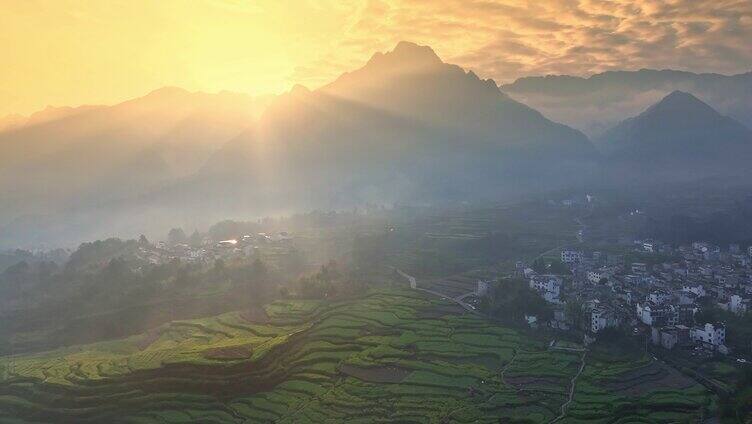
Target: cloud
<point>505,40</point>
<point>71,52</point>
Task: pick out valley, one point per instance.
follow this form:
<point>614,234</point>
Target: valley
<point>376,211</point>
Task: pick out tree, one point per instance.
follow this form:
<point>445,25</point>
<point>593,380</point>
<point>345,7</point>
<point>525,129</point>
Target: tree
<point>294,262</point>
<point>176,236</point>
<point>539,266</point>
<point>511,299</point>
<point>219,271</point>
<point>575,312</point>
<point>260,270</point>
<point>370,251</point>
<point>559,268</point>
<point>195,239</point>
<point>330,281</point>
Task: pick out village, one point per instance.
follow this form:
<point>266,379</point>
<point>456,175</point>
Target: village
<point>206,250</point>
<point>661,301</point>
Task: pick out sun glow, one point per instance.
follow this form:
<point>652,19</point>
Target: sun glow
<point>72,52</point>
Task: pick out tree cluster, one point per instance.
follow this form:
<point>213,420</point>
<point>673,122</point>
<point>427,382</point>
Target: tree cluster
<point>511,299</point>
<point>331,281</point>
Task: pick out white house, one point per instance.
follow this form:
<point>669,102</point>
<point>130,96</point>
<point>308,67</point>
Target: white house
<point>601,319</point>
<point>737,304</point>
<point>697,290</point>
<point>548,286</point>
<point>571,256</point>
<point>659,297</point>
<point>639,268</point>
<point>657,315</point>
<point>482,288</point>
<point>596,275</point>
<point>710,335</point>
<point>531,320</point>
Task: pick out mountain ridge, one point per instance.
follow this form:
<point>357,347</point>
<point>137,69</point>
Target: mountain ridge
<point>403,127</point>
<point>596,103</point>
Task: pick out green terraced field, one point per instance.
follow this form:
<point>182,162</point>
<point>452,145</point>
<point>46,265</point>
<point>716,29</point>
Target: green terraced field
<point>387,356</point>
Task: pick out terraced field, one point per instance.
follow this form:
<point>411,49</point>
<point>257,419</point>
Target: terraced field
<point>460,284</point>
<point>389,356</point>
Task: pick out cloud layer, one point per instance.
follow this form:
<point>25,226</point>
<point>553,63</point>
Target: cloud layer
<point>68,52</point>
<point>508,39</point>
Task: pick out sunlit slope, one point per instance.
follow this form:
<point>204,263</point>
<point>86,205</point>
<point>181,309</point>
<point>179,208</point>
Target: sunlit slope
<point>390,356</point>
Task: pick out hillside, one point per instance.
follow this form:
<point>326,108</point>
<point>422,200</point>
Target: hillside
<point>306,361</point>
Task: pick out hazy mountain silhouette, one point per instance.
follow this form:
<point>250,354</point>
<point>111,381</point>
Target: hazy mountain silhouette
<point>405,115</point>
<point>597,103</point>
<point>65,156</point>
<point>50,113</point>
<point>679,137</point>
<point>404,127</point>
<point>12,121</point>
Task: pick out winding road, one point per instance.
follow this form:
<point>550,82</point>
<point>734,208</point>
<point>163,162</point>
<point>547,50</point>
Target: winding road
<point>458,300</point>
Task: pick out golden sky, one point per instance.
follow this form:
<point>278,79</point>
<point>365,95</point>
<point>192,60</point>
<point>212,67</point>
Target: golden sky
<point>71,52</point>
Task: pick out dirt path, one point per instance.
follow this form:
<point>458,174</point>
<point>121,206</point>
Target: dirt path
<point>572,384</point>
<point>506,366</point>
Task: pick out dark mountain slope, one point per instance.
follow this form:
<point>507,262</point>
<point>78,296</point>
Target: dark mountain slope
<point>679,137</point>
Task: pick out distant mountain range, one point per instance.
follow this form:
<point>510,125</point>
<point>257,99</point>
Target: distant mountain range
<point>406,127</point>
<point>595,104</point>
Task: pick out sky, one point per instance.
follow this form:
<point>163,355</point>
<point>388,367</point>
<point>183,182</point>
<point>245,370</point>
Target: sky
<point>73,52</point>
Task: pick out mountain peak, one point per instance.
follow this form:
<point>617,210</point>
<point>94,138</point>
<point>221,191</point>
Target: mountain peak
<point>680,127</point>
<point>406,56</point>
<point>678,96</point>
<point>683,103</point>
<point>410,49</point>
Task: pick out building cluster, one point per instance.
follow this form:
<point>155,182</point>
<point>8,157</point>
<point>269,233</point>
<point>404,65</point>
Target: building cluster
<point>659,296</point>
<point>208,250</point>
